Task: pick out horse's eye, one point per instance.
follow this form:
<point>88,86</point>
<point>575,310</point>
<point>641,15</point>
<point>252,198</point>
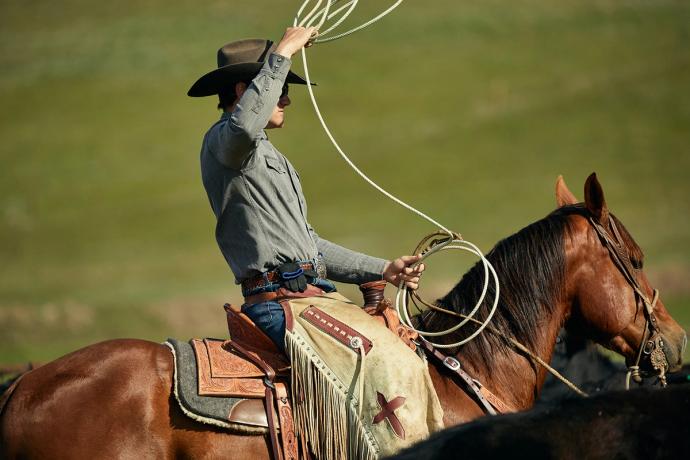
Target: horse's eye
<point>637,264</point>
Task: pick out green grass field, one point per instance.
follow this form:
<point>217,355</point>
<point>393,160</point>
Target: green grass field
<point>467,110</point>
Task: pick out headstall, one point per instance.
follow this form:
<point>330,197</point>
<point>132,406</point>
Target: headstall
<point>652,344</point>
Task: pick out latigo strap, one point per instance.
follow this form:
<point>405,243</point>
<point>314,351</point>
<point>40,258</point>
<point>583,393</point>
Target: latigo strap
<point>491,403</point>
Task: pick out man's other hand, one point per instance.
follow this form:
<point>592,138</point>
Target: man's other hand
<point>294,39</point>
<point>401,269</point>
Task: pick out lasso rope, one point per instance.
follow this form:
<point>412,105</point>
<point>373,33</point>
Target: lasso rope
<point>449,240</point>
<point>452,240</point>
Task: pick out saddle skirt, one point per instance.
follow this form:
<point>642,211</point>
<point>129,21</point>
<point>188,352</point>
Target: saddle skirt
<point>224,371</point>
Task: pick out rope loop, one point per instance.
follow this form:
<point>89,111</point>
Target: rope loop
<point>322,15</point>
<point>443,239</point>
<point>432,244</point>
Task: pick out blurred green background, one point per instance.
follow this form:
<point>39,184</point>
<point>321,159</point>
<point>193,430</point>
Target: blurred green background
<point>467,110</point>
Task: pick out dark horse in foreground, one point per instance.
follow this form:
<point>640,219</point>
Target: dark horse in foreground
<point>637,425</point>
<point>113,399</point>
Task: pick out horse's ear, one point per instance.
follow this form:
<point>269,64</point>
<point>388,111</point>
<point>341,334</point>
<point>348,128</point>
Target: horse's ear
<point>564,196</point>
<point>594,199</point>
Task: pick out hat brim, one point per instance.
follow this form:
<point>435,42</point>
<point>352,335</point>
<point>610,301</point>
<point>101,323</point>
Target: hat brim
<point>220,78</point>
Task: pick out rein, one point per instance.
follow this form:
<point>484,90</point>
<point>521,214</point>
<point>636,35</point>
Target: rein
<point>651,344</point>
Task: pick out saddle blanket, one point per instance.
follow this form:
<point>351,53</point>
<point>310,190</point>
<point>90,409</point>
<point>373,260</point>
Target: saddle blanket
<point>212,410</point>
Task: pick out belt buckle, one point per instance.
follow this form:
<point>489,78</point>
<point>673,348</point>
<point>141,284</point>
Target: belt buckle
<point>451,363</point>
<point>320,267</point>
<point>256,282</point>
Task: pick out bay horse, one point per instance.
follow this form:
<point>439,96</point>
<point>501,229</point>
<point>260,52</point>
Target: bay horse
<point>113,399</point>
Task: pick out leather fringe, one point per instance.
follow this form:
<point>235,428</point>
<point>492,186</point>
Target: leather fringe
<point>326,412</point>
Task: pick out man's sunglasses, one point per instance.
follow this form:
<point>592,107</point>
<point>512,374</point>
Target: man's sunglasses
<point>285,90</point>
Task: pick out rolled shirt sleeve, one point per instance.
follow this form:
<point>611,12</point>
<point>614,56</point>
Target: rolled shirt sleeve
<point>233,141</point>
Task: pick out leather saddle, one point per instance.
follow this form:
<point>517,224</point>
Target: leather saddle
<point>250,366</point>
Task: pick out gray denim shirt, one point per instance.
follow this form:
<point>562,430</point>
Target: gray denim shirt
<point>256,195</point>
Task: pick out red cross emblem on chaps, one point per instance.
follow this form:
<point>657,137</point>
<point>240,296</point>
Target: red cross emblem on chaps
<point>388,413</point>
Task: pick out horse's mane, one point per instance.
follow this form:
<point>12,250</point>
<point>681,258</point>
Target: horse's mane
<point>531,268</point>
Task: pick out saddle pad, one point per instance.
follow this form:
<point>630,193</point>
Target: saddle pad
<point>212,410</point>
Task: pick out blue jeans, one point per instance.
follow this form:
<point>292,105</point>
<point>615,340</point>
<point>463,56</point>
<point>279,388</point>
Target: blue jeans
<point>270,317</point>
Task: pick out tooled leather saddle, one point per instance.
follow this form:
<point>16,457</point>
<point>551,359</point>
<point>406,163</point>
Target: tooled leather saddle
<point>250,366</point>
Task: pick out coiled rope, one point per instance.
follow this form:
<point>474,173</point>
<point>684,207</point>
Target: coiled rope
<point>439,241</point>
<point>317,17</point>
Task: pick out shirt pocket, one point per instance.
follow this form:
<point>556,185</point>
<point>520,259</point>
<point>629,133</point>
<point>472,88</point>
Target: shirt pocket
<point>280,179</point>
<point>275,165</point>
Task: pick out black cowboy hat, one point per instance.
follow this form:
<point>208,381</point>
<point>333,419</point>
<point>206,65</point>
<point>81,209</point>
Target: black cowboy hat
<point>238,61</point>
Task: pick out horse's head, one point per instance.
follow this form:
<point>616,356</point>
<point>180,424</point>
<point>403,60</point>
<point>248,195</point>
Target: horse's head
<point>612,299</point>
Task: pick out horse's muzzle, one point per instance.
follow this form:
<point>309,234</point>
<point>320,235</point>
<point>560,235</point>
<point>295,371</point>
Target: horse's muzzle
<point>674,348</point>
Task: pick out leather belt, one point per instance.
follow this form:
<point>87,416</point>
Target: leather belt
<point>283,294</point>
<point>271,277</point>
<point>261,297</point>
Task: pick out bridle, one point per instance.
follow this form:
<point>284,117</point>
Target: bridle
<point>652,344</point>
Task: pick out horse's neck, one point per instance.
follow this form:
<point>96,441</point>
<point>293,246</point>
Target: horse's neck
<point>533,265</point>
<point>513,377</point>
